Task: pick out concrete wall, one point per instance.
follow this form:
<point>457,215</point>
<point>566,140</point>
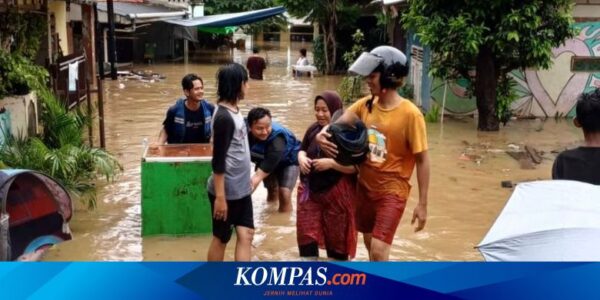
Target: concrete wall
<point>21,112</point>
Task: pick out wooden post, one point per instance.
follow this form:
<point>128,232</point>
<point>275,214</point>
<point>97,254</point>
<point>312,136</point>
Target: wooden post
<point>89,113</point>
<point>185,51</point>
<point>88,25</point>
<point>99,43</point>
<point>112,55</point>
<point>101,113</point>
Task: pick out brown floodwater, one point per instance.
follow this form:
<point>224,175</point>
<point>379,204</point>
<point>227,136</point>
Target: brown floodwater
<point>465,194</point>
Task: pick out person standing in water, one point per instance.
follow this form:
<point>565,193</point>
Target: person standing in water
<point>302,61</point>
<point>274,150</point>
<point>256,65</point>
<point>397,142</point>
<point>229,188</point>
<point>189,120</point>
<point>326,194</point>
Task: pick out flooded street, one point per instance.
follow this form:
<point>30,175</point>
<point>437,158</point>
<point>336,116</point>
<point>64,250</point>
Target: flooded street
<point>465,193</point>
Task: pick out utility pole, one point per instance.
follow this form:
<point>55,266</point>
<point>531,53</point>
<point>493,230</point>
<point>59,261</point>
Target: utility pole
<point>99,43</point>
<point>112,55</point>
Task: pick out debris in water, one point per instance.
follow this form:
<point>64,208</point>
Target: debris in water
<point>506,184</point>
<point>527,158</point>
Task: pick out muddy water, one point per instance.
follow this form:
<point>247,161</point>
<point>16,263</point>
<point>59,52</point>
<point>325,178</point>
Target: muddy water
<point>465,194</point>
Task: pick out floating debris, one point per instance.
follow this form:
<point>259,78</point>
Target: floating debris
<point>507,184</point>
<point>527,158</point>
<point>146,76</point>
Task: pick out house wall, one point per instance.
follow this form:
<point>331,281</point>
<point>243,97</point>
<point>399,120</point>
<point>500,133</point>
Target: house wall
<point>59,9</point>
<point>426,80</point>
<point>541,93</point>
<point>586,10</point>
<point>21,115</point>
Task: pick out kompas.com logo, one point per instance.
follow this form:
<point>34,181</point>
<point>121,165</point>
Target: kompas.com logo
<point>295,276</point>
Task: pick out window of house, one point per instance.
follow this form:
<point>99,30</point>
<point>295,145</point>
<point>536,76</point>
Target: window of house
<point>589,64</point>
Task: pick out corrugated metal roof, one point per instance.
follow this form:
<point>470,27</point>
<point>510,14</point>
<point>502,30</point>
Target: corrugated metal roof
<point>142,10</point>
<point>232,19</point>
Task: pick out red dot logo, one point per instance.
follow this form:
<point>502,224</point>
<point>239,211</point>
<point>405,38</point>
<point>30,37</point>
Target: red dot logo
<point>328,282</point>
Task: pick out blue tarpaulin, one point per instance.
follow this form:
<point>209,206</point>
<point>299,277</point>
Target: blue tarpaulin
<point>232,19</point>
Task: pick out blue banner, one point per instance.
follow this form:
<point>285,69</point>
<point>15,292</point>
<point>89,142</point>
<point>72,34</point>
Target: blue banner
<point>404,280</point>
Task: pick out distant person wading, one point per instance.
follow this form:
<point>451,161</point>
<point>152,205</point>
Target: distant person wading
<point>256,65</point>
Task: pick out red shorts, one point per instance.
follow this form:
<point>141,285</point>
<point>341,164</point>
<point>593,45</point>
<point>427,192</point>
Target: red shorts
<point>378,214</point>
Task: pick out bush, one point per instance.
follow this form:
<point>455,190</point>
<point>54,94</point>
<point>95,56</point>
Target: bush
<point>350,88</point>
<point>319,53</point>
<point>505,97</point>
<point>433,115</point>
<point>60,151</point>
<point>18,76</point>
<point>407,91</point>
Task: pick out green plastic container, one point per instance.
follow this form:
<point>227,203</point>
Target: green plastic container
<point>174,197</point>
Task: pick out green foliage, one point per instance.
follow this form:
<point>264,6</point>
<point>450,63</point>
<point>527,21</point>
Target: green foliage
<point>18,76</point>
<point>506,96</point>
<point>213,7</point>
<point>381,30</point>
<point>21,32</point>
<point>407,91</point>
<point>20,36</point>
<point>332,16</point>
<point>324,10</point>
<point>350,56</point>
<point>60,150</point>
<point>521,35</point>
<point>319,53</point>
<point>512,34</point>
<point>61,127</point>
<point>350,89</point>
<point>75,167</point>
<point>433,115</point>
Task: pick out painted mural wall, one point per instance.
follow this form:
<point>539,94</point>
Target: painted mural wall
<point>541,93</point>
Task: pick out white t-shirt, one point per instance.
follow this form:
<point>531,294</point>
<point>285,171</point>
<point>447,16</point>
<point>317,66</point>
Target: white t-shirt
<point>302,61</point>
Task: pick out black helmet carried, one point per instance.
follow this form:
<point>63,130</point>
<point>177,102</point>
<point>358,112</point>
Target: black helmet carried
<point>391,62</point>
<point>352,142</point>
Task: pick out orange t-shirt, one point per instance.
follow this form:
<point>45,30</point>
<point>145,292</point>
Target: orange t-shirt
<point>395,136</point>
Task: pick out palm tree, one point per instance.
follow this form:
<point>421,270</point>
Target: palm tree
<point>60,151</point>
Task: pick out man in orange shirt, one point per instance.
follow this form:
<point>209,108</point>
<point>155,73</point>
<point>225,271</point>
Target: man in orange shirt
<point>397,142</point>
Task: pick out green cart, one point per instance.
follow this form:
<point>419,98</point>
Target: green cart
<point>174,197</point>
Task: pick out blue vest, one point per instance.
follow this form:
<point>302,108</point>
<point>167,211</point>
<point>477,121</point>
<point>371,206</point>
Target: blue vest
<point>179,127</point>
<point>292,145</point>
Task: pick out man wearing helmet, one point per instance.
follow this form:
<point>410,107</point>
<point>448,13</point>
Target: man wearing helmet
<point>397,142</point>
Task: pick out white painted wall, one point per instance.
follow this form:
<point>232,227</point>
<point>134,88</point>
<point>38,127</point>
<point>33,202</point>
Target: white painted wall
<point>587,10</point>
<point>19,109</point>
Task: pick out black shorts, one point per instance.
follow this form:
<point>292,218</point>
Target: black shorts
<point>239,213</point>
